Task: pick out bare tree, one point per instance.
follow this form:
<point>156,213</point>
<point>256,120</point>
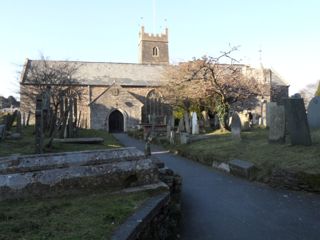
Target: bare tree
<point>211,78</point>
<point>308,92</point>
<point>55,79</point>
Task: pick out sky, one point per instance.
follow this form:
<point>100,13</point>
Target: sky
<point>282,34</point>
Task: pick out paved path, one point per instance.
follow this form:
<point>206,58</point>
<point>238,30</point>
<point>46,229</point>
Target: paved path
<point>219,206</point>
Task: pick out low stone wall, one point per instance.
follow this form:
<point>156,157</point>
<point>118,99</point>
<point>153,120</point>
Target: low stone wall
<point>295,180</point>
<point>49,175</point>
<point>158,218</point>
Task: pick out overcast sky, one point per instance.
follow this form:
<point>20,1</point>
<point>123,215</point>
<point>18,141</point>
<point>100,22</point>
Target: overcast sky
<point>286,31</point>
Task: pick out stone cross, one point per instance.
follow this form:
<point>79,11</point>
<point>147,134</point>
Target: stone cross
<point>236,126</point>
<point>314,113</point>
<point>277,123</point>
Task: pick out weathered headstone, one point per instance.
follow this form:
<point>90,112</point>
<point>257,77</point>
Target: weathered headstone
<point>268,109</point>
<point>184,138</point>
<point>195,125</point>
<point>2,132</point>
<point>245,123</point>
<point>168,131</point>
<point>181,126</point>
<point>297,121</point>
<point>314,113</point>
<point>236,126</point>
<point>187,122</point>
<point>205,119</point>
<point>276,123</point>
<point>18,126</point>
<point>39,125</point>
<point>172,137</point>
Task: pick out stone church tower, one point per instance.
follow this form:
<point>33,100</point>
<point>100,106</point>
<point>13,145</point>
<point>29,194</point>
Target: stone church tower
<point>153,48</point>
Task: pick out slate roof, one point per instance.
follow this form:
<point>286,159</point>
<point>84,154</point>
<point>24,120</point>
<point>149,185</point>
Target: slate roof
<point>107,73</point>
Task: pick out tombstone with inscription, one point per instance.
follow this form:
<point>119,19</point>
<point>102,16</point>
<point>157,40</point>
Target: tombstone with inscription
<point>236,126</point>
<point>314,113</point>
<point>276,123</point>
<point>297,121</point>
<point>195,125</point>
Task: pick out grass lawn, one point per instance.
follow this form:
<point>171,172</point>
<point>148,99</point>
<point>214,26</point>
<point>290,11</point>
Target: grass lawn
<point>26,145</point>
<point>254,147</point>
<point>78,217</point>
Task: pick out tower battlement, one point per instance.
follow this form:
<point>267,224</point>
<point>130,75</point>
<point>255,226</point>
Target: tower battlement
<point>162,37</point>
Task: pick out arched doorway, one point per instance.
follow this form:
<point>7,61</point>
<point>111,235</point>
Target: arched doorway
<point>116,121</point>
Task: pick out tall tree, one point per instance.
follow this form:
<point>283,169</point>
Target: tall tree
<point>214,79</point>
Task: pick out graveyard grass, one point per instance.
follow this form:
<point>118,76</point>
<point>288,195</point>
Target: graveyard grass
<point>94,216</point>
<point>254,147</point>
<point>26,145</point>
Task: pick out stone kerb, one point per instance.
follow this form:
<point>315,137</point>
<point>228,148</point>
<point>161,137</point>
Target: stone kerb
<point>115,170</point>
<point>314,113</point>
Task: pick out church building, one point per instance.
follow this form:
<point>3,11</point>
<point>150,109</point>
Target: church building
<point>120,96</point>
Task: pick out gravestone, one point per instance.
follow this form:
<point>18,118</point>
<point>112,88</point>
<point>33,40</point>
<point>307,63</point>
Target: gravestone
<point>236,126</point>
<point>277,123</point>
<point>187,122</point>
<point>39,125</point>
<point>206,119</point>
<point>244,118</point>
<point>195,125</point>
<point>298,126</point>
<point>181,126</point>
<point>2,132</point>
<point>270,105</point>
<point>184,138</point>
<point>18,126</point>
<point>314,113</point>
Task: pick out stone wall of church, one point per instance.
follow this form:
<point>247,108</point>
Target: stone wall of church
<point>115,98</point>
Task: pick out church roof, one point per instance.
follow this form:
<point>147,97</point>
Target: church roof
<point>105,73</point>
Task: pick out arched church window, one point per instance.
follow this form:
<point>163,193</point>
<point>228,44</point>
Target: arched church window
<point>155,52</point>
<point>153,105</point>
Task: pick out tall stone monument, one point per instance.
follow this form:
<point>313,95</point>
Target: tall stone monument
<point>297,121</point>
<point>195,125</point>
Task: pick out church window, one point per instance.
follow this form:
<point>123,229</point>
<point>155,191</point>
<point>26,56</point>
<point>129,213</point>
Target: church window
<point>155,52</point>
<point>153,105</point>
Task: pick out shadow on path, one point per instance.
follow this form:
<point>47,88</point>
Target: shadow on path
<point>219,206</point>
